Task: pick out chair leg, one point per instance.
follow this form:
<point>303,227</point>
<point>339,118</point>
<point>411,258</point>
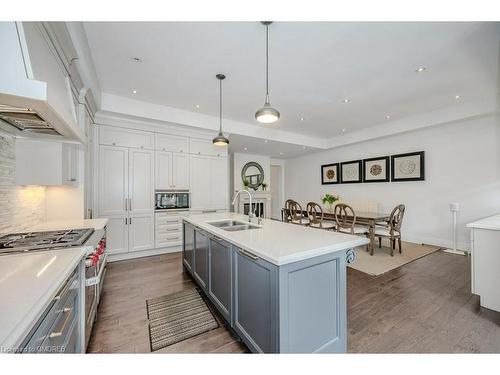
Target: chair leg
<point>399,243</point>
<point>379,242</point>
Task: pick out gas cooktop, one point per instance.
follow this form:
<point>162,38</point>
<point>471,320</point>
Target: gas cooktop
<point>37,241</point>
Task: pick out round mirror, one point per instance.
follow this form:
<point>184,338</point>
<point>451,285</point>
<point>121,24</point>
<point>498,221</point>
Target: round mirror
<point>253,173</point>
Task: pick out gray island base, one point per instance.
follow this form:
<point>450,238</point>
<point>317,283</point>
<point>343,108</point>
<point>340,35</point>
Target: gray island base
<point>297,307</point>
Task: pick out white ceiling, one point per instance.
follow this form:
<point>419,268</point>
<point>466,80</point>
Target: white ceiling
<point>314,67</point>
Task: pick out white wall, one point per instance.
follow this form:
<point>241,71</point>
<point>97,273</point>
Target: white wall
<point>462,165</point>
<point>239,160</point>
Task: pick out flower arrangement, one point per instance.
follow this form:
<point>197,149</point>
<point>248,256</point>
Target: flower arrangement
<point>264,185</point>
<point>246,183</point>
<point>330,199</point>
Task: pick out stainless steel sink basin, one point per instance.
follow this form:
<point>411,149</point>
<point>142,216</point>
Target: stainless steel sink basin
<point>233,225</point>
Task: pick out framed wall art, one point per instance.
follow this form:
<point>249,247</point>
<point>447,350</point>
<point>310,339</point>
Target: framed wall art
<point>330,174</point>
<point>376,169</point>
<point>351,171</point>
<point>408,167</point>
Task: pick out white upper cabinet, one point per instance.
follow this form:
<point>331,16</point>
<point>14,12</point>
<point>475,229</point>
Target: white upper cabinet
<point>163,166</point>
<point>113,136</point>
<point>174,143</point>
<point>141,172</point>
<point>46,163</point>
<point>180,171</point>
<point>209,178</point>
<point>199,146</point>
<point>113,181</point>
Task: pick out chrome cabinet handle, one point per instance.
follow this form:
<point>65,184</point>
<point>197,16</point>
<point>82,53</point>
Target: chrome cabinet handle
<point>208,211</point>
<point>248,254</point>
<point>57,334</point>
<point>173,230</point>
<point>130,204</point>
<point>126,206</point>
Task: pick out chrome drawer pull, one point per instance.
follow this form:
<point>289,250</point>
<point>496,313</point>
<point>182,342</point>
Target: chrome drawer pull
<point>173,230</point>
<point>248,254</point>
<point>57,334</point>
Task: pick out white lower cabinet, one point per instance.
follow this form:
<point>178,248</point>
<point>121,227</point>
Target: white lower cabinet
<point>168,229</point>
<point>141,232</point>
<point>117,235</point>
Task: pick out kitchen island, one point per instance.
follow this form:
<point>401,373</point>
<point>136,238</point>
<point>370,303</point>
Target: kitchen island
<point>281,287</point>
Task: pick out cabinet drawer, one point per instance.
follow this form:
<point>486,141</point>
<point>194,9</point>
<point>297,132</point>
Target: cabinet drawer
<point>167,142</point>
<point>126,137</point>
<point>61,331</point>
<point>168,220</point>
<point>168,229</point>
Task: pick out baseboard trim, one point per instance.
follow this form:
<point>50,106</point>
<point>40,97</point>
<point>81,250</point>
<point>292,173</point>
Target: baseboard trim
<point>436,242</point>
<point>143,253</point>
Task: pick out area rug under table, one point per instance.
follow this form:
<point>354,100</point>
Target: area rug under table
<point>382,262</point>
<point>177,317</point>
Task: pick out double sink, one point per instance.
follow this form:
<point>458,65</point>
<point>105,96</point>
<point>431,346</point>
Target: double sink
<point>233,225</point>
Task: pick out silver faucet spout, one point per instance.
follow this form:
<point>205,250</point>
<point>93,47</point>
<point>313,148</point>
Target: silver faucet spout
<point>250,211</point>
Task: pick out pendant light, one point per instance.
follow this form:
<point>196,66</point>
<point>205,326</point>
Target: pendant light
<point>220,140</point>
<point>267,114</point>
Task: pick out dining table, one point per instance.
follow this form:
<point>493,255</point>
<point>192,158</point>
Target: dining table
<point>368,219</point>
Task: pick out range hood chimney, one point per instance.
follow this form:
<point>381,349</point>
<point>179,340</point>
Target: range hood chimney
<point>35,91</point>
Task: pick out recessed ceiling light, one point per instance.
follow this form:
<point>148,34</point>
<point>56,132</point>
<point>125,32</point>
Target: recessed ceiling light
<point>302,119</point>
<point>136,59</point>
<point>303,147</point>
<point>134,91</point>
<point>342,130</point>
<point>457,97</point>
<point>420,69</point>
<point>265,140</point>
<point>197,106</point>
<point>245,149</point>
<point>281,153</point>
<point>388,117</point>
<point>346,100</point>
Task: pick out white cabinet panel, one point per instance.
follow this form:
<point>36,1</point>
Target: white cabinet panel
<point>117,235</point>
<point>113,181</point>
<point>219,182</point>
<point>205,147</point>
<point>180,171</point>
<point>141,232</point>
<point>163,166</point>
<point>141,181</point>
<point>126,137</point>
<point>174,143</point>
<point>199,172</point>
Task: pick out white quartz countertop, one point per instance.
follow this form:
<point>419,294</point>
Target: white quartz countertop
<point>277,242</point>
<point>492,222</point>
<point>28,283</point>
<point>96,224</point>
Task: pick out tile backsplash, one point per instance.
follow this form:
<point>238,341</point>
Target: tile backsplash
<point>20,206</point>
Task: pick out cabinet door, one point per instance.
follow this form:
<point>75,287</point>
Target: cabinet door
<point>219,182</point>
<point>110,135</point>
<point>141,232</point>
<point>141,182</point>
<point>70,156</point>
<point>219,289</point>
<point>180,171</point>
<point>199,176</point>
<point>188,247</point>
<point>201,258</point>
<point>167,142</point>
<point>113,181</point>
<point>255,302</point>
<point>163,166</point>
<point>117,235</point>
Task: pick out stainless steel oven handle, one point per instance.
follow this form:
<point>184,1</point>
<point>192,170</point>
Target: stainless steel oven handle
<point>97,279</point>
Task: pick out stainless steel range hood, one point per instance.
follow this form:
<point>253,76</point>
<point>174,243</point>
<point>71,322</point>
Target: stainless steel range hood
<point>35,91</point>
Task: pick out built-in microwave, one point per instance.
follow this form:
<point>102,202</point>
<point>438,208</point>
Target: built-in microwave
<point>171,200</point>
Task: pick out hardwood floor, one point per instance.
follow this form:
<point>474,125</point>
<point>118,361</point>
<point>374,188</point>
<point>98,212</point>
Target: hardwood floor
<point>423,307</point>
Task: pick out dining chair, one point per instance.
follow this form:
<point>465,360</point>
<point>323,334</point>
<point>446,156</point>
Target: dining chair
<point>297,214</point>
<point>316,219</point>
<point>392,229</point>
<point>345,217</point>
<point>287,218</point>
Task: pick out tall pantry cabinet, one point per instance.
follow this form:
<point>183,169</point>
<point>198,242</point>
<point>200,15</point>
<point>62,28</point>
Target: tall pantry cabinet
<point>133,163</point>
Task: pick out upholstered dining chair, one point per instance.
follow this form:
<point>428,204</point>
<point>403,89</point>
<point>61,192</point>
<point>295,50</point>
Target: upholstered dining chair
<point>345,217</point>
<point>297,215</point>
<point>316,219</point>
<point>392,229</point>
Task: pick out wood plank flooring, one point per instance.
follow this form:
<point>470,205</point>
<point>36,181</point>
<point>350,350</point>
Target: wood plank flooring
<point>423,307</point>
